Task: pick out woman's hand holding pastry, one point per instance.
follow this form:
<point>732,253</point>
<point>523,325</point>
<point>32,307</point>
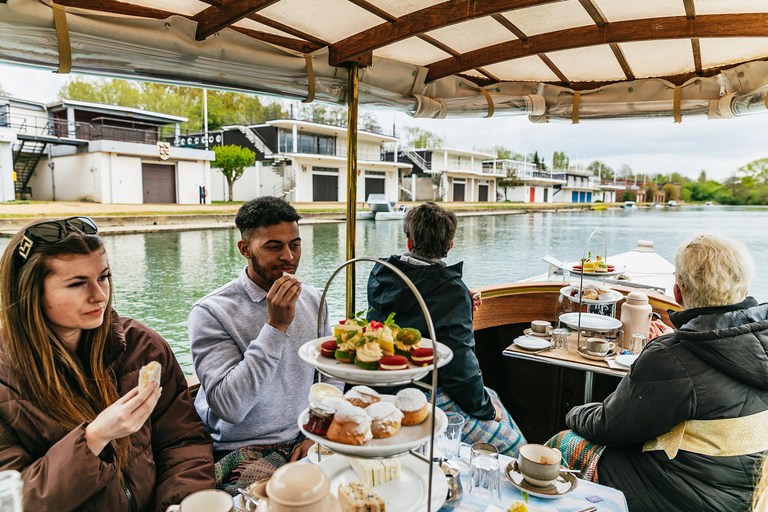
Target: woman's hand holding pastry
<point>123,418</point>
<point>281,302</point>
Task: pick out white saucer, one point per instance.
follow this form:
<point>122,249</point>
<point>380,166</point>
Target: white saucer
<point>531,343</point>
<point>564,484</point>
<point>530,332</point>
<point>626,360</point>
<point>583,353</point>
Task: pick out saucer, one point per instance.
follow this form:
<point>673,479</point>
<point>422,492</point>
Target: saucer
<point>530,332</point>
<point>583,353</point>
<point>564,484</point>
<point>626,360</point>
<point>531,343</point>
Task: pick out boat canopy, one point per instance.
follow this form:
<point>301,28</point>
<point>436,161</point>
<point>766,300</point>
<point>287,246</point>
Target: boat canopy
<point>551,60</point>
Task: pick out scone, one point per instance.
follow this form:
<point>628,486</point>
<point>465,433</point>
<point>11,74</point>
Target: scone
<point>148,374</point>
<point>358,497</point>
<point>385,419</point>
<point>350,425</point>
<point>362,396</point>
<point>414,406</point>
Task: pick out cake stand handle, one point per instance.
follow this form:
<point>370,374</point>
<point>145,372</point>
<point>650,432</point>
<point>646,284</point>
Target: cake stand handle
<point>581,278</point>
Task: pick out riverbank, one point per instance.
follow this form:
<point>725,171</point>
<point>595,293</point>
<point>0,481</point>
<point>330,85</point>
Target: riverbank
<point>148,218</point>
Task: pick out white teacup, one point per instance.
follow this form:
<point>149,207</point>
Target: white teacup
<point>294,487</point>
<point>210,500</point>
<point>541,326</point>
<point>539,464</point>
<point>599,346</point>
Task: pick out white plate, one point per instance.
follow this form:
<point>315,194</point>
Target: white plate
<point>529,332</point>
<point>618,269</point>
<point>626,359</point>
<point>408,437</point>
<point>405,494</point>
<point>606,298</point>
<point>564,484</point>
<point>531,343</point>
<point>310,353</point>
<point>590,322</point>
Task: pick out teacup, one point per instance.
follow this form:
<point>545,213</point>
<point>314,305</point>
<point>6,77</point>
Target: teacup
<point>210,500</point>
<point>539,464</point>
<point>294,487</point>
<point>599,346</point>
<point>321,390</point>
<point>541,326</point>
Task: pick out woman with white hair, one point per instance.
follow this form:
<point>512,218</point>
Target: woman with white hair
<point>686,428</point>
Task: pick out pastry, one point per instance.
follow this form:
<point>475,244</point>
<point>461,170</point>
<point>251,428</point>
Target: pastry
<point>148,374</point>
<point>350,425</point>
<point>336,403</point>
<point>413,404</point>
<point>422,356</point>
<point>344,356</point>
<point>328,348</point>
<point>367,356</point>
<point>389,363</point>
<point>375,472</point>
<point>385,419</point>
<point>407,339</point>
<point>358,497</point>
<point>362,396</point>
<point>517,506</point>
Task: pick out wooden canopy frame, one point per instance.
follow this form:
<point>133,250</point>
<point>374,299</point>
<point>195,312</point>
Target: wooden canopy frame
<point>358,48</point>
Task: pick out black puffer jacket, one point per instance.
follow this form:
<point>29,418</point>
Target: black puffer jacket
<point>714,366</point>
<point>450,306</point>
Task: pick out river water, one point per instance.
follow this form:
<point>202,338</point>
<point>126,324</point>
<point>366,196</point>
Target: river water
<point>158,276</point>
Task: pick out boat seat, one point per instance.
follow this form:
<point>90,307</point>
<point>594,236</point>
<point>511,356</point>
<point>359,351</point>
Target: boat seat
<point>193,383</point>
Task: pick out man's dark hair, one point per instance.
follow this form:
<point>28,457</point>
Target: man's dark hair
<point>431,229</point>
<point>262,212</point>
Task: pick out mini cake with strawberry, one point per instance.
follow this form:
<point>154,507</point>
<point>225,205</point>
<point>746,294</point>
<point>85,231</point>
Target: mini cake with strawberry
<point>422,356</point>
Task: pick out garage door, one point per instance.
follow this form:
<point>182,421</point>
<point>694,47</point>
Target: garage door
<point>159,183</point>
<point>458,192</point>
<point>373,186</point>
<point>483,193</point>
<point>325,188</point>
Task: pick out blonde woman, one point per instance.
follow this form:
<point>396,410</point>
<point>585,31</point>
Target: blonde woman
<point>72,419</point>
<point>685,429</point>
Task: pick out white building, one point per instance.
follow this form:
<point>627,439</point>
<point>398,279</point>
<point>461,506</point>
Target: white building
<point>537,186</point>
<point>581,185</point>
<point>82,151</point>
<point>306,162</point>
<point>449,175</point>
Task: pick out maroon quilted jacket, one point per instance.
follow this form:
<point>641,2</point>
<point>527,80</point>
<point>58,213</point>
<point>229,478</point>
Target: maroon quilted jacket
<point>171,456</point>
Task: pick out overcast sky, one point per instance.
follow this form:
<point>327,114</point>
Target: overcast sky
<point>719,147</point>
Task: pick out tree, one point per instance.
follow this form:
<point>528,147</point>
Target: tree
<point>755,172</point>
<point>703,176</point>
<point>509,181</point>
<point>600,169</point>
<point>625,172</point>
<point>536,161</point>
<point>650,190</point>
<point>670,191</point>
<point>232,161</point>
<point>420,138</point>
<point>559,160</point>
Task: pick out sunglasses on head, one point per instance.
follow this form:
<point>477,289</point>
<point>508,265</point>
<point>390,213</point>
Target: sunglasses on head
<point>50,232</point>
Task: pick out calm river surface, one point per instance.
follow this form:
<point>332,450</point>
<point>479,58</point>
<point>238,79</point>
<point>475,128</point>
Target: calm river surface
<point>158,276</point>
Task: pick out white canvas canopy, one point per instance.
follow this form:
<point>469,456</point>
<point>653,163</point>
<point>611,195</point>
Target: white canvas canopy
<point>567,60</point>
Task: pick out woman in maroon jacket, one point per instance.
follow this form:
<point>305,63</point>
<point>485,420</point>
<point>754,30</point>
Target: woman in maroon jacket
<point>72,419</point>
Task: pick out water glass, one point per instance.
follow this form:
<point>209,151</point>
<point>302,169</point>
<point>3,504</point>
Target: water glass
<point>450,441</point>
<point>484,476</point>
<point>637,343</point>
<point>560,339</point>
<point>10,491</point>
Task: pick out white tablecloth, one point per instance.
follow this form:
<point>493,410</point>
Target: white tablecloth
<point>613,500</point>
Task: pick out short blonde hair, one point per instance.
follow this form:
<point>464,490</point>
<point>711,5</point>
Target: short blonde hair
<point>713,270</point>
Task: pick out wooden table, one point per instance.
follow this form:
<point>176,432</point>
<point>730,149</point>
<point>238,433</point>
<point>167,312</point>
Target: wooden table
<point>570,359</point>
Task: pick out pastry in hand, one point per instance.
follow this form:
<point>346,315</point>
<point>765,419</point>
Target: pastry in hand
<point>413,404</point>
<point>385,419</point>
<point>148,374</point>
<point>350,425</point>
<point>362,396</point>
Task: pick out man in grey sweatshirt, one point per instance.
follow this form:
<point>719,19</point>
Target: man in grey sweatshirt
<point>245,338</point>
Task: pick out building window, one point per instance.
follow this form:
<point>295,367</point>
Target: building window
<point>309,143</point>
<point>333,170</point>
<point>375,173</point>
<point>5,118</point>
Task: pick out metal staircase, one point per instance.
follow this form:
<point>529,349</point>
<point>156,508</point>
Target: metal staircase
<point>417,159</point>
<point>255,139</point>
<point>287,186</point>
<point>26,156</point>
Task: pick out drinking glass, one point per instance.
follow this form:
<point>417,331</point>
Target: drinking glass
<point>484,476</point>
<point>637,343</point>
<point>450,441</point>
<point>560,339</point>
<point>10,491</point>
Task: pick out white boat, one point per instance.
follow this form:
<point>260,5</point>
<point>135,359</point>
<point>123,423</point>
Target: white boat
<point>672,204</point>
<point>365,215</point>
<point>383,208</point>
<point>629,205</point>
<point>398,214</point>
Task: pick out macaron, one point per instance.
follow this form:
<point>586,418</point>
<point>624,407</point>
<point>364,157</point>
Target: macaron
<point>422,356</point>
<point>328,348</point>
<point>389,363</point>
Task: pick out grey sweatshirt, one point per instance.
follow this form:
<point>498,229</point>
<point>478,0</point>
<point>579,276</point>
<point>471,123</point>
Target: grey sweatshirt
<point>253,385</point>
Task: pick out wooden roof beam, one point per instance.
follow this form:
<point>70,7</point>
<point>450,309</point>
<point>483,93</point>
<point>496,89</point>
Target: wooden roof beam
<point>381,13</point>
<point>696,48</point>
<point>690,9</point>
<point>213,19</point>
<point>510,26</point>
<point>619,54</point>
<point>115,7</point>
<point>653,29</point>
<point>419,22</point>
<point>555,69</point>
<point>282,41</point>
<point>288,30</point>
<point>594,12</point>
